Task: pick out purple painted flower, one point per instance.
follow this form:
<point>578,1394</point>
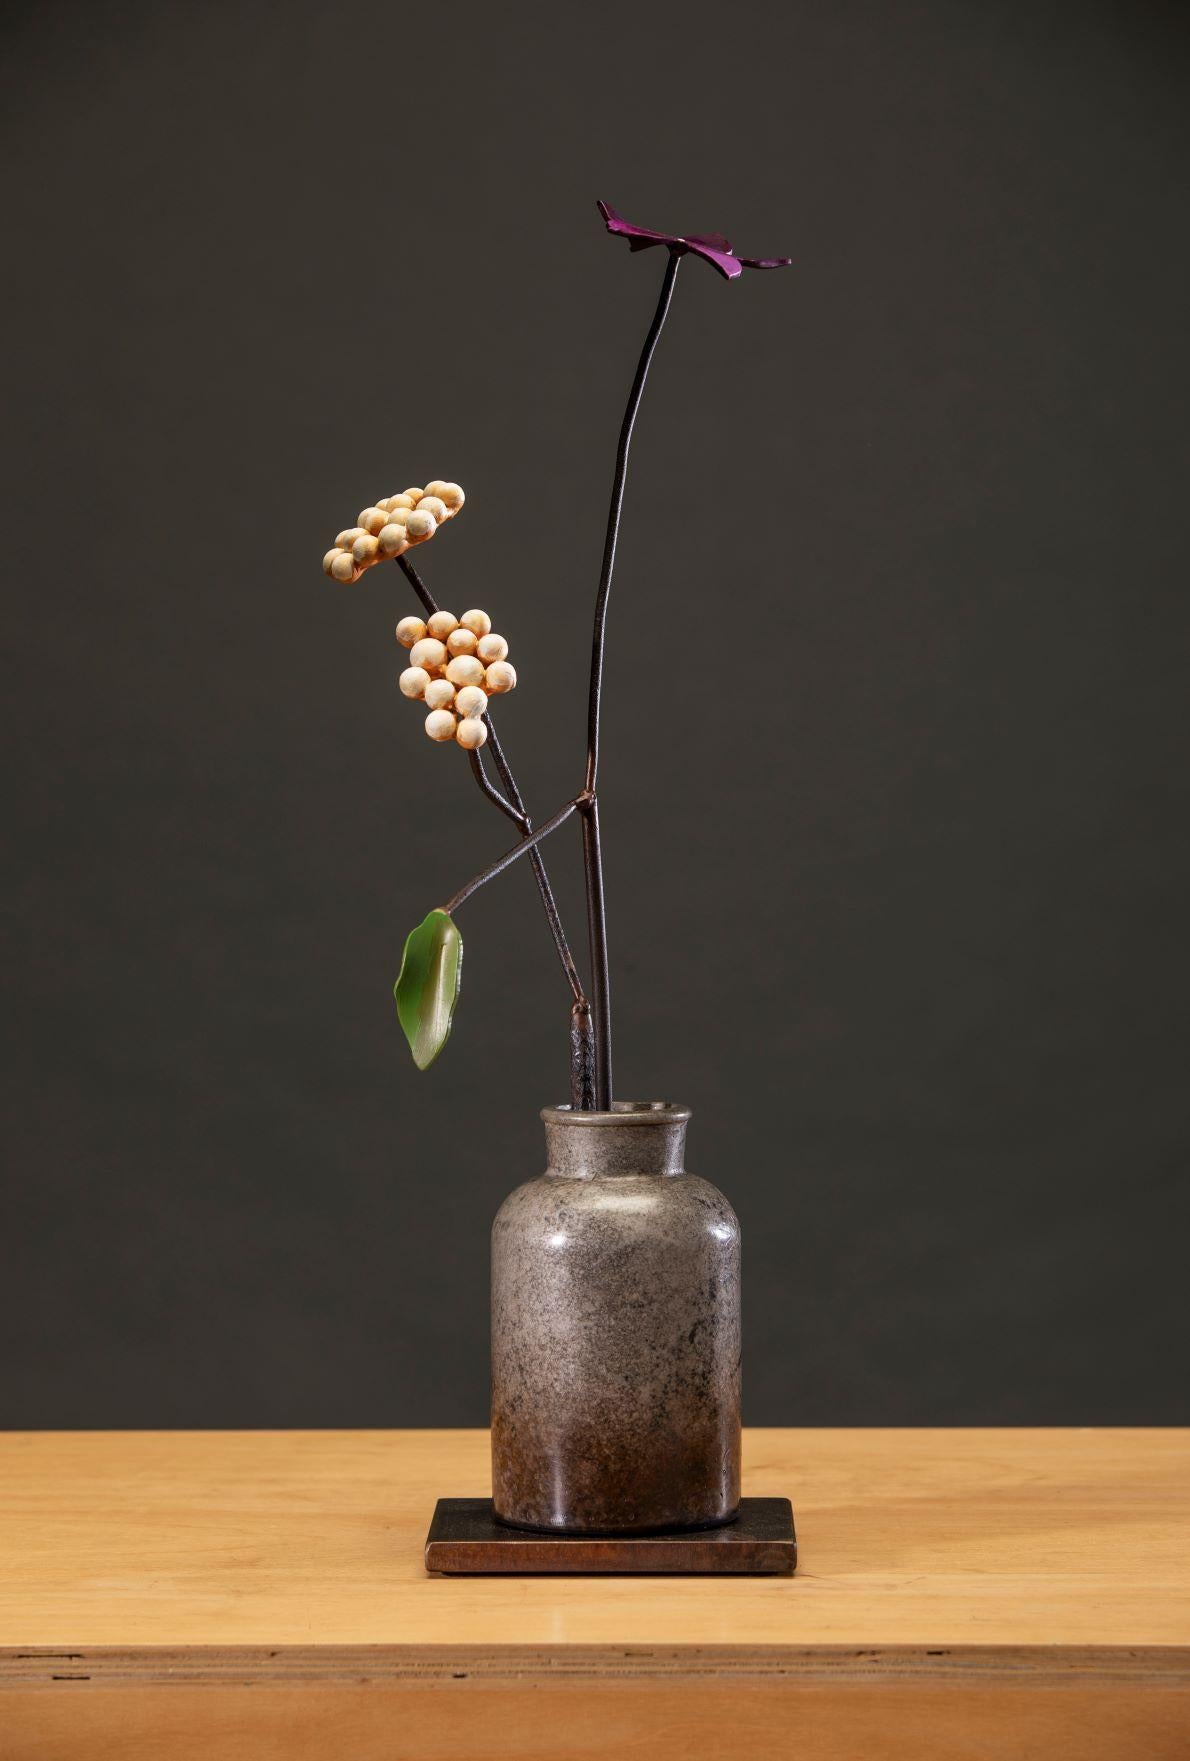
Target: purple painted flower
<point>711,246</point>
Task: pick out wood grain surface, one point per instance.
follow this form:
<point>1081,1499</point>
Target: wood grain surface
<point>262,1594</point>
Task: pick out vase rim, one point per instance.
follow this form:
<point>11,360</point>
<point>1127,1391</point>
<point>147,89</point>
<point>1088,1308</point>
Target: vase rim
<point>622,1113</point>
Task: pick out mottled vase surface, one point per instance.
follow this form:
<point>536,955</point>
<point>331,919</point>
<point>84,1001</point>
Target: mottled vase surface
<point>616,1333</point>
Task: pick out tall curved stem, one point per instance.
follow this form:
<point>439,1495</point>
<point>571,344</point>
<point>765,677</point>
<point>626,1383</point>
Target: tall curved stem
<point>589,806</point>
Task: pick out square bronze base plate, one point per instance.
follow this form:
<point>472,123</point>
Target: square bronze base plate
<point>465,1537</point>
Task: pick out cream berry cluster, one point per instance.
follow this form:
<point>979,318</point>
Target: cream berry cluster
<point>455,665</point>
<point>389,528</point>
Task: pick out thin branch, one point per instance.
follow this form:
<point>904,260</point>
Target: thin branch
<point>502,862</point>
<point>592,852</point>
<point>613,515</point>
<point>514,808</point>
<point>417,584</point>
<point>601,1013</point>
<point>552,913</point>
<point>493,794</point>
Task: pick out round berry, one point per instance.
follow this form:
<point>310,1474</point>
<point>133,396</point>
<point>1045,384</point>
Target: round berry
<point>471,701</point>
<point>439,694</point>
<point>500,677</point>
<point>413,681</point>
<point>441,623</point>
<point>343,567</point>
<point>472,734</point>
<point>441,724</point>
<point>409,631</point>
<point>492,648</point>
<point>430,653</point>
<point>464,669</point>
<point>478,622</point>
<point>419,526</point>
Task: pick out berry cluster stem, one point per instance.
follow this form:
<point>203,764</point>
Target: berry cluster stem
<point>588,802</point>
<point>514,808</point>
<point>582,1059</point>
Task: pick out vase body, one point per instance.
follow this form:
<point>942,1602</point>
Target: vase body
<point>616,1334</point>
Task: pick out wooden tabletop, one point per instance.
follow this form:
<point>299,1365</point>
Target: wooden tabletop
<point>137,1569</point>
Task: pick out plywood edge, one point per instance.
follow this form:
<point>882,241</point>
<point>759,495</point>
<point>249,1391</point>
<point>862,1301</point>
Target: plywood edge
<point>363,1666</point>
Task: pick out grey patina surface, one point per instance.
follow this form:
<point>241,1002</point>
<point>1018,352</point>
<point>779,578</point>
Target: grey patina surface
<point>616,1333</point>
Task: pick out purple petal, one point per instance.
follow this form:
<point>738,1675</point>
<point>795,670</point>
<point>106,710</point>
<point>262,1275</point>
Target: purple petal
<point>616,223</point>
<point>712,247</point>
<point>716,241</point>
<point>723,261</point>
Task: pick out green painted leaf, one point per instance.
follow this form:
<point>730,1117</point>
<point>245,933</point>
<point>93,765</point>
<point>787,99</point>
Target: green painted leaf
<point>428,987</point>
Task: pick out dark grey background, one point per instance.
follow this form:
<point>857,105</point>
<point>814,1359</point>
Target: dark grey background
<point>896,739</point>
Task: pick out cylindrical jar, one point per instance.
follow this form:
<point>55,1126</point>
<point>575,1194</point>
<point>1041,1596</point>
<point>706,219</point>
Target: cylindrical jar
<point>616,1333</point>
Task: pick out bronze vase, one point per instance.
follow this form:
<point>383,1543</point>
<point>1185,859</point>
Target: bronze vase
<point>616,1333</point>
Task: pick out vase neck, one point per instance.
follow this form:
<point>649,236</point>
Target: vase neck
<point>636,1137</point>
